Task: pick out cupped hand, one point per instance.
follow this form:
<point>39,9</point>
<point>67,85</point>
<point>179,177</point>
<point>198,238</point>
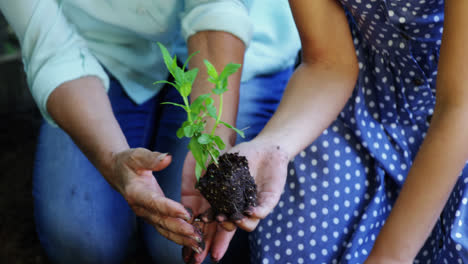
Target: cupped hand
<point>131,174</point>
<point>268,166</point>
<point>216,239</point>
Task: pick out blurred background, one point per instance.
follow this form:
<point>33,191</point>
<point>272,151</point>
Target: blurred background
<point>19,125</point>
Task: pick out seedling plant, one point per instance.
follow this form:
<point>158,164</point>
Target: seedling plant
<point>205,147</point>
<point>227,183</point>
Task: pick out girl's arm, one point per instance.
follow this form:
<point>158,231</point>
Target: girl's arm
<point>442,155</point>
<point>316,93</point>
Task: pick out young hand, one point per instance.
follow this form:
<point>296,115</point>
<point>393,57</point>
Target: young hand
<point>216,238</point>
<point>131,174</point>
<point>268,166</point>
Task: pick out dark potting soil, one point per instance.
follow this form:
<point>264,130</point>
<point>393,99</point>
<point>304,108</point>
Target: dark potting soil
<point>229,187</point>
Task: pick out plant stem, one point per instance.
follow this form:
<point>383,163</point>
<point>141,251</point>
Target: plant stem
<point>188,109</point>
<point>213,157</point>
<point>219,114</point>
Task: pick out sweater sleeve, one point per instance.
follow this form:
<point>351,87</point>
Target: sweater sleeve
<point>53,52</point>
<point>219,15</point>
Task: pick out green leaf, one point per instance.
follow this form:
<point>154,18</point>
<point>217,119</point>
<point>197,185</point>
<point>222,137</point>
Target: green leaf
<point>211,80</point>
<point>179,80</point>
<point>221,87</point>
<point>197,151</point>
<point>211,70</point>
<point>171,103</point>
<point>166,57</point>
<point>174,63</point>
<point>209,101</point>
<point>185,80</point>
<point>218,90</point>
<point>198,103</point>
<point>199,127</point>
<point>205,139</point>
<point>228,70</point>
<point>211,109</point>
<point>180,133</point>
<point>198,171</point>
<point>240,132</point>
<point>194,116</point>
<point>188,59</point>
<point>185,89</point>
<point>185,123</point>
<point>166,82</point>
<point>189,131</point>
<point>214,153</point>
<point>191,75</point>
<point>219,142</point>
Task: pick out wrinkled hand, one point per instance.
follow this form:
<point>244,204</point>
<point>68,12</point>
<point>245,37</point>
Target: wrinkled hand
<point>215,237</point>
<point>131,174</point>
<point>268,166</point>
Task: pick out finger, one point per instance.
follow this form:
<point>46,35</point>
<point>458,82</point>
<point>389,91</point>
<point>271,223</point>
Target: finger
<point>174,225</point>
<point>266,202</point>
<point>249,211</point>
<point>221,218</point>
<point>207,216</point>
<point>157,204</point>
<point>221,242</point>
<point>190,212</point>
<point>141,158</point>
<point>209,231</point>
<point>181,240</point>
<point>248,223</point>
<point>187,254</point>
<point>228,226</point>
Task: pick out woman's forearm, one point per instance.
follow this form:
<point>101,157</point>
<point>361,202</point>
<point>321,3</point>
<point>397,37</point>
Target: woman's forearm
<point>315,94</point>
<point>431,179</point>
<point>82,108</point>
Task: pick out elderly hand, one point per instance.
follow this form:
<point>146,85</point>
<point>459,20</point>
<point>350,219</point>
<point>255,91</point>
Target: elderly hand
<point>131,174</point>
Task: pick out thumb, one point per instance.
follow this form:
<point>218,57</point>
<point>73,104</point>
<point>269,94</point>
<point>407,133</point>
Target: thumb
<point>144,159</point>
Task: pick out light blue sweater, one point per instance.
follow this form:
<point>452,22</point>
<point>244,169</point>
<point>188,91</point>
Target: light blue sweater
<point>62,40</point>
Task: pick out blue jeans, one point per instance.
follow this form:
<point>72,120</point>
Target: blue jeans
<point>81,219</point>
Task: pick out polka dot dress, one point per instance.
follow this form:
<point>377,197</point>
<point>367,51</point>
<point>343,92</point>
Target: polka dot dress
<point>340,189</point>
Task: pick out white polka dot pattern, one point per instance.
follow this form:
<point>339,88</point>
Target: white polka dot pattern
<point>341,188</point>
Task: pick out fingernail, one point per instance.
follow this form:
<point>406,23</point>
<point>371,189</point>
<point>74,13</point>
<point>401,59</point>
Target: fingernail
<point>196,238</point>
<point>202,245</point>
<point>196,249</point>
<point>163,155</point>
<point>189,211</point>
<point>215,259</point>
<point>185,217</point>
<point>249,211</point>
<point>205,219</point>
<point>220,218</point>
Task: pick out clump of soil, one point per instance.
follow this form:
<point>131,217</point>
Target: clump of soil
<point>229,187</point>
